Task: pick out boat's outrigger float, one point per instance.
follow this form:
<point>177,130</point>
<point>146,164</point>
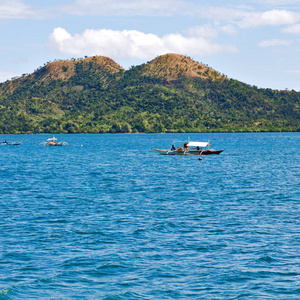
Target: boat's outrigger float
<point>189,148</point>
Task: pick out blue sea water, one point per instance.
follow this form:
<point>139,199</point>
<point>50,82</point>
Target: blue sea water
<point>109,218</point>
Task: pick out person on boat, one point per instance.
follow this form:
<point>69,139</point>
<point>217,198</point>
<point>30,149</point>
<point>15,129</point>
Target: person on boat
<point>173,147</point>
<point>4,142</point>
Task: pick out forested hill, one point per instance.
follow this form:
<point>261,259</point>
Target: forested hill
<point>171,93</point>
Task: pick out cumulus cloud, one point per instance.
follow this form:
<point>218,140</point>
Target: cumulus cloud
<point>275,43</point>
<point>14,9</point>
<point>131,44</point>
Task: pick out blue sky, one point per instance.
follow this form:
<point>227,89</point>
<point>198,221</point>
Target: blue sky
<point>256,42</point>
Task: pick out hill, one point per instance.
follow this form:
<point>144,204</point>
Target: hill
<point>171,93</point>
<point>63,70</point>
<point>173,67</point>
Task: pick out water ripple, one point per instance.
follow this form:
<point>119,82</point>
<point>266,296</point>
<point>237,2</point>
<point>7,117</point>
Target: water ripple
<point>97,223</point>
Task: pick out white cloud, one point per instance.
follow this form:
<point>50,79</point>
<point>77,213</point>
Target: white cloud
<point>244,17</point>
<point>221,13</point>
<point>277,2</point>
<point>293,71</point>
<point>211,31</point>
<point>229,29</point>
<point>295,29</point>
<point>14,9</point>
<point>206,31</point>
<point>128,7</point>
<point>274,43</point>
<point>271,17</point>
<point>131,44</point>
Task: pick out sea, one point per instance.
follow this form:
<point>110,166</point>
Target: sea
<point>107,217</point>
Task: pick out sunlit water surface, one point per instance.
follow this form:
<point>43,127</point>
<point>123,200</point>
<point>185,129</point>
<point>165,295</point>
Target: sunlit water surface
<point>109,218</point>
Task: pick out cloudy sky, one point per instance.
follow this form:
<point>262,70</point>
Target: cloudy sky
<point>254,41</point>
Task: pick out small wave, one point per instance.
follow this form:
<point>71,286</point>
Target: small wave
<point>267,259</point>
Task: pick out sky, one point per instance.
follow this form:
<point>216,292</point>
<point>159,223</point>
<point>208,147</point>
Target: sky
<point>253,41</point>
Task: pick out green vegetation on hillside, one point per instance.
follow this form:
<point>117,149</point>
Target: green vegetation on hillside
<point>88,96</point>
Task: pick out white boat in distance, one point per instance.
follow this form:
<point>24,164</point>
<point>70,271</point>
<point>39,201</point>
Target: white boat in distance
<point>53,142</point>
<point>189,148</point>
<point>4,143</point>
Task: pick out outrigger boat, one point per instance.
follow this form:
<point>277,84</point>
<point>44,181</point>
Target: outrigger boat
<point>189,148</point>
<point>53,142</point>
<point>10,144</point>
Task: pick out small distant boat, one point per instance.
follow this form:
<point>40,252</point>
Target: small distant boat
<point>53,142</point>
<point>4,143</point>
<point>189,148</point>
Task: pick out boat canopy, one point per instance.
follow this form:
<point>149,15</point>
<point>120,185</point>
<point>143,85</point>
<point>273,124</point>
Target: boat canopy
<point>198,144</point>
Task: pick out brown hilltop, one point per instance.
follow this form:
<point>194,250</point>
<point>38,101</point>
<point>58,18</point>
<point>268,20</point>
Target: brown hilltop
<point>63,70</point>
<point>169,66</point>
<point>173,66</point>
